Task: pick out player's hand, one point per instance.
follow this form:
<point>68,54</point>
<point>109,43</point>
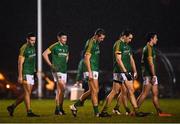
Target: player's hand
<point>135,75</point>
<point>53,68</point>
<point>20,79</point>
<point>90,76</point>
<point>154,78</point>
<point>129,76</point>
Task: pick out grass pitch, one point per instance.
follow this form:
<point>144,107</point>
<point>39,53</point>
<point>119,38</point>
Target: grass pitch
<point>85,114</point>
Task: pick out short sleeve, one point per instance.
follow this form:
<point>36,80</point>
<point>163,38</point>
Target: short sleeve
<point>52,46</point>
<point>89,46</point>
<point>22,50</point>
<point>149,51</point>
<point>117,48</point>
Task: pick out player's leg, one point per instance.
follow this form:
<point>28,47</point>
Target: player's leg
<point>94,88</point>
<point>79,102</point>
<point>122,98</point>
<point>86,94</point>
<point>60,93</point>
<point>59,98</point>
<point>118,103</point>
<point>18,101</point>
<point>115,90</point>
<point>82,98</point>
<point>130,87</point>
<point>155,100</point>
<point>145,91</point>
<point>125,99</point>
<point>27,99</point>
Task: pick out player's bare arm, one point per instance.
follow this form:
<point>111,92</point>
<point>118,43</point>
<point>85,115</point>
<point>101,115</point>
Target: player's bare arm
<point>120,63</point>
<point>46,57</point>
<point>88,65</point>
<point>151,65</point>
<point>20,68</point>
<point>133,65</point>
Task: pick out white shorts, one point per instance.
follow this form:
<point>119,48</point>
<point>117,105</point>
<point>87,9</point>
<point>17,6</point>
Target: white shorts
<point>148,79</point>
<point>119,77</point>
<point>60,76</point>
<point>94,73</point>
<point>29,79</point>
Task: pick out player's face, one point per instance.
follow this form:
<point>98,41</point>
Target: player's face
<point>31,40</point>
<point>62,39</point>
<point>128,39</point>
<point>155,39</point>
<point>100,38</point>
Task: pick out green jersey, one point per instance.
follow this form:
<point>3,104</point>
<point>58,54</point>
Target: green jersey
<point>148,51</point>
<point>124,49</point>
<point>80,70</point>
<point>29,53</point>
<point>59,54</point>
<point>92,48</point>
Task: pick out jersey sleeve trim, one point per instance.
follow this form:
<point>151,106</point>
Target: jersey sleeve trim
<point>89,46</point>
<point>52,46</point>
<point>117,48</point>
<point>22,50</point>
<point>149,50</point>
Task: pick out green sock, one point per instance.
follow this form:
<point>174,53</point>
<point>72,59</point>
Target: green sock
<point>14,106</point>
<point>61,106</point>
<point>57,107</point>
<point>136,110</point>
<point>127,109</point>
<point>105,107</point>
<point>159,110</point>
<point>29,111</point>
<point>95,109</point>
<point>78,103</point>
<point>116,107</point>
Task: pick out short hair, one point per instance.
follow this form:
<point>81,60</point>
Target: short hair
<point>99,32</point>
<point>59,34</point>
<point>126,32</point>
<point>150,35</point>
<point>30,34</point>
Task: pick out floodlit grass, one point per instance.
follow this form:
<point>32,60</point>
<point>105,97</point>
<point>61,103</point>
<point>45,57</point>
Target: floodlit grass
<point>85,114</point>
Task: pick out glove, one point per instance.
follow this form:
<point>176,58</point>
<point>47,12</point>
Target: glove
<point>129,76</point>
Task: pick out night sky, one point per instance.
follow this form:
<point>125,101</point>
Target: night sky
<point>80,18</point>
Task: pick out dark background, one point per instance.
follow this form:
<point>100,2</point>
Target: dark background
<point>80,18</point>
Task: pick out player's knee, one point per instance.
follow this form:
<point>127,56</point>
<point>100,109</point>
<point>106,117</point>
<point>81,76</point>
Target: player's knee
<point>131,91</point>
<point>114,92</point>
<point>155,94</point>
<point>125,91</point>
<point>95,91</point>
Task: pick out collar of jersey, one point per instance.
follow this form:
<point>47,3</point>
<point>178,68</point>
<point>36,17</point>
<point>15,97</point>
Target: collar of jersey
<point>60,43</point>
<point>94,40</point>
<point>123,42</point>
<point>29,45</point>
<point>149,44</point>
